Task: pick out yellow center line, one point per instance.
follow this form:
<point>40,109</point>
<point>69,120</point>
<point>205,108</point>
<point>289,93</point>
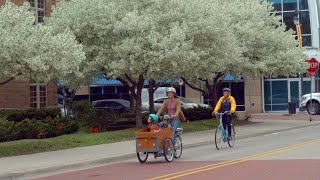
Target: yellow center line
<point>230,162</point>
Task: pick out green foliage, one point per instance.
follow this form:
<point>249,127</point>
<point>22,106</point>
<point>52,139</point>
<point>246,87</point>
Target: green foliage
<point>31,129</point>
<point>21,114</point>
<point>197,113</point>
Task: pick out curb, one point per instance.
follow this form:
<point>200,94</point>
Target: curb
<point>51,170</point>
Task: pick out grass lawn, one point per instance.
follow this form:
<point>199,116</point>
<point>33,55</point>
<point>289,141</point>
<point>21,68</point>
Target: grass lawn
<point>83,138</point>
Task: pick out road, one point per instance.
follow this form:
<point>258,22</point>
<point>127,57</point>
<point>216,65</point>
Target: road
<point>293,155</point>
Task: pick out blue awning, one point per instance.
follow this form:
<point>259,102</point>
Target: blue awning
<point>229,77</point>
<point>102,80</point>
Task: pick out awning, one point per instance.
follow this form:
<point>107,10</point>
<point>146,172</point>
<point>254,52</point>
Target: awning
<point>229,77</point>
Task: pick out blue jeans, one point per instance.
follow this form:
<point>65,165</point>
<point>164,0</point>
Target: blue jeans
<point>175,123</point>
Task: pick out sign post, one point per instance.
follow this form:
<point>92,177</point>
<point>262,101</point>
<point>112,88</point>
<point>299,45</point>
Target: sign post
<point>313,68</point>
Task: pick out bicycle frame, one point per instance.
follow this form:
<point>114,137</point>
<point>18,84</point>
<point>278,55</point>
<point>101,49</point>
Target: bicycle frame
<point>224,131</point>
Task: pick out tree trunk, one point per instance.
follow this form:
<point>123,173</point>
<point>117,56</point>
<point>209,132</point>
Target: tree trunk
<point>139,102</point>
<point>214,91</point>
<point>65,102</point>
<point>151,89</point>
<point>132,92</point>
<point>132,99</point>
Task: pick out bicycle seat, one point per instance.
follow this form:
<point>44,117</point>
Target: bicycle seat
<point>179,130</point>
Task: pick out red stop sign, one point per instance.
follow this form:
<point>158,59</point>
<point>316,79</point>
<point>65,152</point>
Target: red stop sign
<point>313,65</point>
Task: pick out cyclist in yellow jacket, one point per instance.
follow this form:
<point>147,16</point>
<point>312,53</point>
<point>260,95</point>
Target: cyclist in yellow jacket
<point>226,103</point>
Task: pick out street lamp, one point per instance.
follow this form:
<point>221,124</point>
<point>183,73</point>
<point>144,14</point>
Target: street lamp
<point>296,20</point>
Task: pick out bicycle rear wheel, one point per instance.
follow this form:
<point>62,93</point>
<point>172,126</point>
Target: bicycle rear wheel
<point>232,139</point>
<point>218,137</point>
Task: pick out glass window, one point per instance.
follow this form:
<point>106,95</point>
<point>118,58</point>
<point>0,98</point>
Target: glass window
<point>306,87</point>
<point>241,108</point>
<point>306,41</point>
<point>41,4</point>
<point>303,4</point>
<point>34,96</point>
<point>122,89</point>
<point>96,90</point>
<point>237,91</point>
<point>43,96</point>
<point>288,20</point>
<point>267,107</point>
<point>267,92</point>
<point>40,16</point>
<point>305,22</point>
<point>279,92</point>
<point>108,90</point>
<point>276,4</point>
<point>31,2</point>
<point>289,5</point>
<point>282,107</point>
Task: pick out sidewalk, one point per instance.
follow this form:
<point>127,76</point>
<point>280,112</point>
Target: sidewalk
<point>23,167</point>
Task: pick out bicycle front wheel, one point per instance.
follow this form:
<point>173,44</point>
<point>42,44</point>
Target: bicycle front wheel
<point>218,138</point>
<point>178,147</point>
<point>232,138</point>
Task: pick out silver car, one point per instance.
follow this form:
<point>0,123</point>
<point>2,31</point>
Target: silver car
<point>119,105</point>
<point>186,104</point>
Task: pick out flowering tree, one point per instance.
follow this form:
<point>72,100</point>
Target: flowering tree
<point>265,47</point>
<point>138,40</point>
<point>34,52</point>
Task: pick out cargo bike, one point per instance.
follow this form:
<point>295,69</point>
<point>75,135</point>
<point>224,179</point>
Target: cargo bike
<point>159,144</point>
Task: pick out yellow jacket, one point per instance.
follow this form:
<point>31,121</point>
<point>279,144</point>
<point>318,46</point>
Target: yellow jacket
<point>231,99</point>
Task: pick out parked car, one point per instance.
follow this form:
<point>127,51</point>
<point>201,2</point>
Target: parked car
<point>186,104</point>
<point>119,105</point>
<point>305,103</point>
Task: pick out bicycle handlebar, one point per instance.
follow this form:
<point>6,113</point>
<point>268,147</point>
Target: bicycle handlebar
<point>221,114</point>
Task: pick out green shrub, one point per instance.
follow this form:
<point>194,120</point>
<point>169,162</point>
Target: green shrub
<point>198,113</point>
<point>19,115</point>
<point>102,118</point>
<point>31,128</point>
<point>82,110</point>
<point>8,132</point>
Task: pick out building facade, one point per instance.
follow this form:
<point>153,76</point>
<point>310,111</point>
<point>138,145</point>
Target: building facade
<point>267,94</point>
<point>24,94</point>
<point>277,92</point>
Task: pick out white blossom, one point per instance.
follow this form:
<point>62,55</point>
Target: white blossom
<point>34,52</point>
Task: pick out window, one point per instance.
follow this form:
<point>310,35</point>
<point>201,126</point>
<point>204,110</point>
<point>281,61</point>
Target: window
<point>38,96</point>
<point>289,5</point>
<point>122,89</point>
<point>39,7</point>
<point>95,90</point>
<point>109,90</point>
<point>276,4</point>
<point>287,9</point>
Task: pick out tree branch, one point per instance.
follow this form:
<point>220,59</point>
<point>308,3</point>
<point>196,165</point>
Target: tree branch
<point>6,81</point>
<point>130,79</point>
<point>193,86</point>
<point>124,82</point>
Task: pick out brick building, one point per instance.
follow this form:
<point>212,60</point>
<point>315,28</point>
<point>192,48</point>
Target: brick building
<point>23,94</point>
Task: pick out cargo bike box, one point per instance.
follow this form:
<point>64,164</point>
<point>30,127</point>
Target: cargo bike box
<point>159,143</point>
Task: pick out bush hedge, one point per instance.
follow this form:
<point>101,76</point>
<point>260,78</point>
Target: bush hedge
<point>32,128</point>
<point>197,113</point>
<point>21,114</point>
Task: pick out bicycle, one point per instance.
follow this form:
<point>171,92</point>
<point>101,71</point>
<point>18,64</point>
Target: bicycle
<point>178,143</point>
<point>223,133</point>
